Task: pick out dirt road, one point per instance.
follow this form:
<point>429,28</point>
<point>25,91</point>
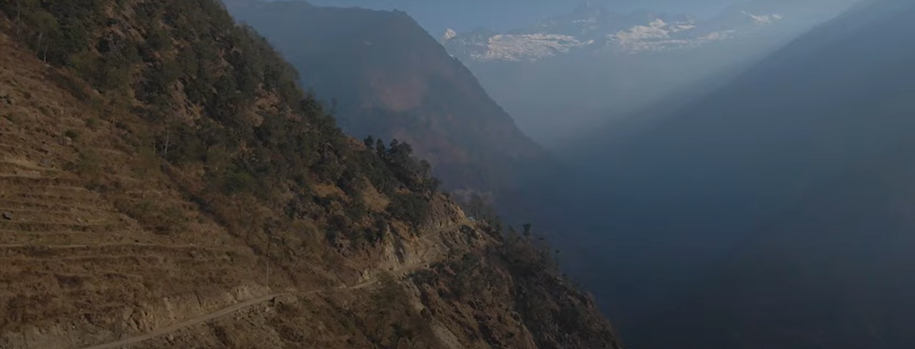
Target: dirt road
<point>229,310</point>
<point>188,323</point>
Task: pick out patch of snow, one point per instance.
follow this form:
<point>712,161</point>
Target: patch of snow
<point>658,36</point>
<point>449,34</point>
<point>520,47</point>
<point>670,44</point>
<point>679,27</point>
<point>588,31</point>
<point>764,19</point>
<point>657,29</point>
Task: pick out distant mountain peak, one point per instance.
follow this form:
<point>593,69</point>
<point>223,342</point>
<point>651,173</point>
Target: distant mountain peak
<point>590,27</point>
<point>448,35</point>
<point>764,19</point>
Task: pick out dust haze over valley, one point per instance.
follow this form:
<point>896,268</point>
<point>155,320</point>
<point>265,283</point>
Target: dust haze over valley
<point>725,174</point>
<point>531,174</point>
<point>602,60</point>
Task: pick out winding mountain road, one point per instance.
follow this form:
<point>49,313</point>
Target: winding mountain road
<point>236,307</point>
<point>185,324</point>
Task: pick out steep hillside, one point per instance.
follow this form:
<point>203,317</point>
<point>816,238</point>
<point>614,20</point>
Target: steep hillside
<point>711,175</point>
<point>830,266</point>
<point>390,79</point>
<point>832,271</point>
<point>165,183</point>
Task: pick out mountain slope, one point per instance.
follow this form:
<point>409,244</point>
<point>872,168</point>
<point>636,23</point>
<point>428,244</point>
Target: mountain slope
<point>567,73</point>
<point>391,80</point>
<point>830,269</point>
<point>689,189</point>
<point>165,183</point>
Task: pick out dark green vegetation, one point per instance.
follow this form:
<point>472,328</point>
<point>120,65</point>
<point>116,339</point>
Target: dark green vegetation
<point>162,162</point>
<point>520,276</point>
<point>178,58</point>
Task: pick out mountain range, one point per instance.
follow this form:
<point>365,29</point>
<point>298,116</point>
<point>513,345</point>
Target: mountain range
<point>166,182</point>
<point>772,211</point>
<point>592,29</point>
<point>593,65</point>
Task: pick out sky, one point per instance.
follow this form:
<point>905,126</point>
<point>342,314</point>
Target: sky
<point>501,15</point>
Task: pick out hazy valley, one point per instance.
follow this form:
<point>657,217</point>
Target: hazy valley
<point>244,174</point>
<point>598,65</point>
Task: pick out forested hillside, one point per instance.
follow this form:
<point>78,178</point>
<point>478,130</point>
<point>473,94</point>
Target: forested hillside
<point>164,182</point>
<point>385,76</point>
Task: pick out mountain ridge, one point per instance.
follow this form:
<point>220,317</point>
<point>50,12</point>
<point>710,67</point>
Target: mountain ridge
<point>160,167</point>
<point>592,29</point>
<point>801,131</point>
<point>598,66</point>
<point>390,79</point>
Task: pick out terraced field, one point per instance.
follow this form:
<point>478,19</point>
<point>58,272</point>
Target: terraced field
<point>76,264</point>
<point>69,255</point>
<point>108,242</point>
<point>73,262</point>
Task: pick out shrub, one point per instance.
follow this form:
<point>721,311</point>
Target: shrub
<point>72,134</point>
<point>159,217</point>
<point>410,207</point>
<point>87,165</point>
<point>235,182</point>
<point>92,123</point>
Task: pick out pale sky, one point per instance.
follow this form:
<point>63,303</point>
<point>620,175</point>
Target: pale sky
<point>463,15</point>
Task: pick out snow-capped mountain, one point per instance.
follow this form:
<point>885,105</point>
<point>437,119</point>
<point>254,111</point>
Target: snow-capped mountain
<point>561,76</point>
<point>593,28</point>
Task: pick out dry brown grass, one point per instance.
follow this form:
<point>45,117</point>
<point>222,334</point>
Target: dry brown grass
<point>375,201</point>
<point>74,261</point>
<point>327,190</point>
<point>105,241</point>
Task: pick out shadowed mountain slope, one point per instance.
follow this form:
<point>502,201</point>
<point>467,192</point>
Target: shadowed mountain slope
<point>388,78</point>
<point>675,197</point>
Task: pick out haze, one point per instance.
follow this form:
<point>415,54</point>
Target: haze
<point>720,174</point>
<point>424,174</point>
<point>436,16</point>
<point>593,87</point>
